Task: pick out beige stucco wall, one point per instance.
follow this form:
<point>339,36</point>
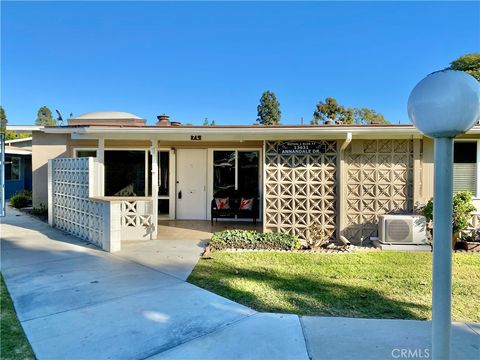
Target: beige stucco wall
<point>427,170</point>
<point>44,148</point>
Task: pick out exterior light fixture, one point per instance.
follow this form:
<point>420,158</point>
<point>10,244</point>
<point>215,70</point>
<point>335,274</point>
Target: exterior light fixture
<point>443,105</point>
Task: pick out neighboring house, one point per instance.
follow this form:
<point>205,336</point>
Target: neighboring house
<point>340,176</point>
<point>18,166</point>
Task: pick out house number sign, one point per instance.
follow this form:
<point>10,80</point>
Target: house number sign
<point>195,137</point>
<point>301,147</point>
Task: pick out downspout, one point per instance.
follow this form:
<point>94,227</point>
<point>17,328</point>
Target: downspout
<point>341,207</point>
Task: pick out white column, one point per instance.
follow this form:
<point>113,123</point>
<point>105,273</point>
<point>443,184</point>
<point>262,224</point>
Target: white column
<point>442,248</point>
<point>101,166</point>
<point>154,152</point>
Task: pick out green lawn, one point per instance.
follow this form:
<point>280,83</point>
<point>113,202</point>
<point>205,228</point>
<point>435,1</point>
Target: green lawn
<point>13,343</point>
<point>371,285</point>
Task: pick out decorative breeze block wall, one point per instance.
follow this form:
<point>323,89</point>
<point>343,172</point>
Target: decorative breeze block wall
<point>378,180</point>
<point>300,190</point>
<point>73,211</point>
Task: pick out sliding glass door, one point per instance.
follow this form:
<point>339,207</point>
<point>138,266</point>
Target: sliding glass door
<point>236,174</point>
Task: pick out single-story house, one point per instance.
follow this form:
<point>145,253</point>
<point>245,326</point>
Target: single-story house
<point>341,177</point>
<point>18,166</point>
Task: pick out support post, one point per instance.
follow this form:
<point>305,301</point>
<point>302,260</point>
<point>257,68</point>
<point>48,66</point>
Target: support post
<point>341,174</point>
<point>442,249</point>
<point>154,153</point>
<point>50,206</point>
<point>101,166</point>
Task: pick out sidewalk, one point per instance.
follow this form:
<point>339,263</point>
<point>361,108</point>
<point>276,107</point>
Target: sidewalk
<point>77,302</point>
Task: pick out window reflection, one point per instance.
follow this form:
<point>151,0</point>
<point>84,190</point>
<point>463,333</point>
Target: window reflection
<point>223,171</point>
<point>248,173</point>
<point>124,173</point>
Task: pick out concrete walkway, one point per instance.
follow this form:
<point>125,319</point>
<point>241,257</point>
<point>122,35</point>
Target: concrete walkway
<point>77,302</point>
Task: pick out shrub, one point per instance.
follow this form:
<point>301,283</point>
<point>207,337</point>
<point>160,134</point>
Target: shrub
<point>462,210</point>
<point>245,239</point>
<point>19,201</point>
<point>26,193</point>
<point>40,211</point>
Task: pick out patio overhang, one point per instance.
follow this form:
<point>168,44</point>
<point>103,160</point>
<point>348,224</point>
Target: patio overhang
<point>241,133</point>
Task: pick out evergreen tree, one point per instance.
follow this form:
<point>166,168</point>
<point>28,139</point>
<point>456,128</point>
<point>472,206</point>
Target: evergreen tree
<point>268,111</point>
<point>44,117</point>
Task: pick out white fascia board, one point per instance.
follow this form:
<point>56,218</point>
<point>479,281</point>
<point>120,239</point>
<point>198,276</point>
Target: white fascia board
<point>240,134</point>
<point>244,134</point>
<point>24,128</point>
<point>18,140</point>
<point>16,151</point>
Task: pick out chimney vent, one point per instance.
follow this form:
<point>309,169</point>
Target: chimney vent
<point>163,120</point>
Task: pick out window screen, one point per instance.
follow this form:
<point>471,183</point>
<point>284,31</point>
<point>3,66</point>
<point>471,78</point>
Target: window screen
<point>465,166</point>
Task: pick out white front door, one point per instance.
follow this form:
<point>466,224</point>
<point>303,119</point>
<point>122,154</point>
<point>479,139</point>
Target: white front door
<point>191,184</point>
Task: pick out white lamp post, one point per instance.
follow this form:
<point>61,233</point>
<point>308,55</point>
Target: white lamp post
<point>443,105</point>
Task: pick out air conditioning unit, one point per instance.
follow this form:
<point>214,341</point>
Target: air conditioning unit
<point>402,229</point>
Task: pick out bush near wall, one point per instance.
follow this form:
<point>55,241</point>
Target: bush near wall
<point>21,199</point>
<point>246,239</point>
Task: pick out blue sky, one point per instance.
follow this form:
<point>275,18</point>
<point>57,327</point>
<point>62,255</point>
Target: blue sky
<point>214,59</point>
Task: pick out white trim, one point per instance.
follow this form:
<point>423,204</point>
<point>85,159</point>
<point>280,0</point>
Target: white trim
<point>154,178</point>
<point>241,133</point>
<point>24,128</point>
<point>17,151</point>
<point>18,140</point>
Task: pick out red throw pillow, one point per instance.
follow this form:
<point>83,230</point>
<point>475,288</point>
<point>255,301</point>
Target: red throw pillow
<point>246,204</point>
<point>222,203</point>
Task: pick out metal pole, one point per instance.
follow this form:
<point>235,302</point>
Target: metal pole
<point>442,249</point>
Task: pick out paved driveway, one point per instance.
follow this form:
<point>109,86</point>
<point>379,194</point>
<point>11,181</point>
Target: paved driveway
<point>77,302</point>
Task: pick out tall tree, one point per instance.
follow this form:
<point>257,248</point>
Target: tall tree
<point>44,117</point>
<point>470,63</point>
<point>3,120</point>
<point>364,116</point>
<point>331,110</point>
<point>268,111</point>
